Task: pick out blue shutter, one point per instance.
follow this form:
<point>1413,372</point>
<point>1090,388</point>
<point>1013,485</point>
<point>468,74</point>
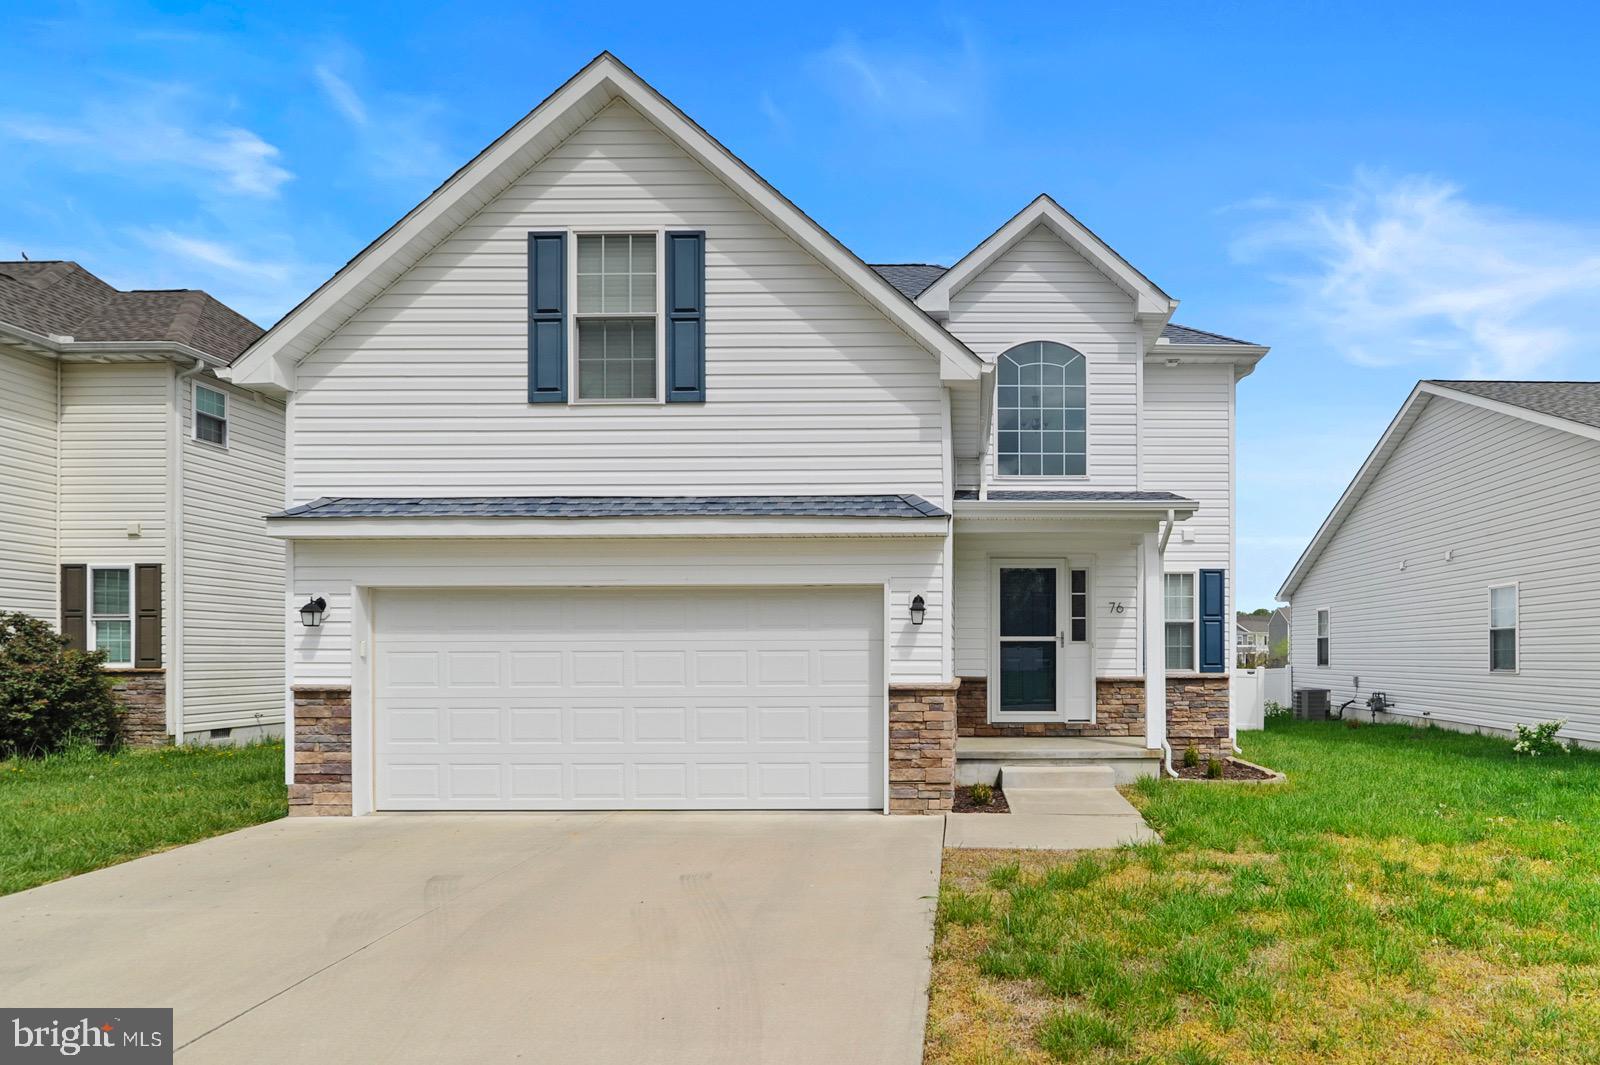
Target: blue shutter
<point>547,317</point>
<point>686,317</point>
<point>1213,637</point>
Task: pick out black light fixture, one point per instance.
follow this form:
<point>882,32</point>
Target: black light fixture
<point>919,610</point>
<point>311,613</point>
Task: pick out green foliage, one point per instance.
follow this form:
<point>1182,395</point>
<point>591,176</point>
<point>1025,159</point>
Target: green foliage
<point>50,695</point>
<point>1069,1034</point>
<point>1535,740</point>
<point>982,794</point>
<point>1191,757</point>
<point>1214,769</point>
<point>1276,711</point>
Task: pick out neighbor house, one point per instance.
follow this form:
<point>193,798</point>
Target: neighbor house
<point>1278,637</point>
<point>1459,572</point>
<point>1250,640</point>
<point>134,493</point>
<point>618,482</point>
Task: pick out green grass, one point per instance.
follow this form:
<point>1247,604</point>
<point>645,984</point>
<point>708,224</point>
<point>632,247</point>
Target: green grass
<point>1409,895</point>
<point>81,810</point>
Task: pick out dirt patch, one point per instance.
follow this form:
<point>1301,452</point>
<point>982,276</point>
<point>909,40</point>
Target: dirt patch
<point>965,805</point>
<point>1232,769</point>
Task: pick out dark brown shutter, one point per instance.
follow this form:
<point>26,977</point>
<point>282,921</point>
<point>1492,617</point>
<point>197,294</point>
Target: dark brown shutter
<point>75,606</point>
<point>147,618</point>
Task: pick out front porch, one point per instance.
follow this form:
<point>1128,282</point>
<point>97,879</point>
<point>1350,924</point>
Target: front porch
<point>979,759</point>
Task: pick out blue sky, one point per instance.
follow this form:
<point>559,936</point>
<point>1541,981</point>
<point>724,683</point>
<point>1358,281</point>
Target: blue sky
<point>1393,192</point>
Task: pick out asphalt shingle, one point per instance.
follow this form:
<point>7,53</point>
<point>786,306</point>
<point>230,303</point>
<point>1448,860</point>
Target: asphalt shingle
<point>1074,496</point>
<point>870,506</point>
<point>1576,401</point>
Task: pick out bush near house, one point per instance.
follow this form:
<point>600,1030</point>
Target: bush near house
<point>51,696</point>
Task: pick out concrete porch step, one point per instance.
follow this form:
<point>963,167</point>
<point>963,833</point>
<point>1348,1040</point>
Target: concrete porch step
<point>1079,802</point>
<point>1056,776</point>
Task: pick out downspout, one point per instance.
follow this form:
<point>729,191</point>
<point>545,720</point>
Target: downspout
<point>986,401</point>
<point>1161,552</point>
<point>175,550</point>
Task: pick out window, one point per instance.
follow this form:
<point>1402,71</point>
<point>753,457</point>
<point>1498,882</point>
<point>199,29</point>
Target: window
<point>1324,637</point>
<point>1041,412</point>
<point>1179,588</point>
<point>210,415</point>
<point>616,316</point>
<point>111,614</point>
<point>1080,605</point>
<point>1503,628</point>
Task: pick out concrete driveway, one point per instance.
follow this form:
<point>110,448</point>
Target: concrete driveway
<point>593,938</point>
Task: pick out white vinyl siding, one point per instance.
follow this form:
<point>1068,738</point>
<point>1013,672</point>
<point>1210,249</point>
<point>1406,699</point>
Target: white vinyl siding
<point>28,574</point>
<point>331,568</point>
<point>233,609</point>
<point>809,388</point>
<point>1041,289</point>
<point>1113,566</point>
<point>1468,499</point>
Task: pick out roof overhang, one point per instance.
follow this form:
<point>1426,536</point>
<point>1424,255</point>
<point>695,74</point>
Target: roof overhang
<point>309,528</point>
<point>1152,307</point>
<point>1008,512</point>
<point>69,349</point>
<point>1243,357</point>
<point>270,363</point>
<point>1409,411</point>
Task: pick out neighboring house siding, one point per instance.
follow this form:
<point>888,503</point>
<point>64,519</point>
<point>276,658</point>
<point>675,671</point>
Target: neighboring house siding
<point>1509,501</point>
<point>1114,578</point>
<point>809,389</point>
<point>28,574</point>
<point>330,568</point>
<point>1041,289</point>
<point>115,431</point>
<point>233,611</point>
<point>1188,442</point>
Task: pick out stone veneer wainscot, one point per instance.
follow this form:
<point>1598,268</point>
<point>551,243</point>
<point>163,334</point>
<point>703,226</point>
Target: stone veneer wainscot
<point>142,694</point>
<point>922,748</point>
<point>321,785</point>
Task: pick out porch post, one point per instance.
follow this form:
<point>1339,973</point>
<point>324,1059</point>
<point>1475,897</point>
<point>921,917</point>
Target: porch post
<point>1155,644</point>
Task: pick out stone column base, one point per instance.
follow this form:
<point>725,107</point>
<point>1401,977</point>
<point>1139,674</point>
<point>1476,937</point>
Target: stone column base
<point>321,785</point>
<point>142,694</point>
<point>922,748</point>
<point>1197,715</point>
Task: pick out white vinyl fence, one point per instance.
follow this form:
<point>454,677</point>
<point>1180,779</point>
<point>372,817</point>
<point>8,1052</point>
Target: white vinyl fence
<point>1278,686</point>
<point>1248,699</point>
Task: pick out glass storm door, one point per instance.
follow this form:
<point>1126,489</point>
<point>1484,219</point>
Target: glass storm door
<point>1031,640</point>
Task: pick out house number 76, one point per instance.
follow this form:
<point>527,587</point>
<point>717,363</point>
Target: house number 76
<point>1114,607</point>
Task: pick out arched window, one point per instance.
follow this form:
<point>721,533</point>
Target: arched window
<point>1042,406</point>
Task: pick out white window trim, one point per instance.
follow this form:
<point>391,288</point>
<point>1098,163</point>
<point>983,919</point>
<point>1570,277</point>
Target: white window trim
<point>1194,619</point>
<point>1045,480</point>
<point>194,414</point>
<point>574,392</point>
<point>1317,637</point>
<point>133,614</point>
<point>1516,627</point>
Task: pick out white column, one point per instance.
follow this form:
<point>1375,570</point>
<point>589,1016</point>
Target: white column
<point>1155,643</point>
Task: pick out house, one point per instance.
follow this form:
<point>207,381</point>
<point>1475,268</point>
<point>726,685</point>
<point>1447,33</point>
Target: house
<point>1250,640</point>
<point>1278,637</point>
<point>617,481</point>
<point>133,494</point>
<point>1457,574</point>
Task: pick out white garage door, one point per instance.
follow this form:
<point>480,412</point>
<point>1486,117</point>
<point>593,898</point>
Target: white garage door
<point>697,698</point>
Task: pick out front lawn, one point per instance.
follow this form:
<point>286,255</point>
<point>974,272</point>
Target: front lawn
<point>1409,896</point>
<point>81,810</point>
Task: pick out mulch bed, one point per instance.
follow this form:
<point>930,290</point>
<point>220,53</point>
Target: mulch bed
<point>964,805</point>
<point>1231,770</point>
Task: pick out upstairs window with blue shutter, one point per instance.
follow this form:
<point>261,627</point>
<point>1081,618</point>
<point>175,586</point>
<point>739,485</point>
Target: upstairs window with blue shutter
<point>547,317</point>
<point>1213,631</point>
<point>686,317</point>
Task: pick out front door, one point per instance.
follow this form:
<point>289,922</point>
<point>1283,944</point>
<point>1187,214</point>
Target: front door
<point>1040,665</point>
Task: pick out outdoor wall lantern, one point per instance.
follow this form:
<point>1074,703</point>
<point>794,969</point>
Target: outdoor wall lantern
<point>919,610</point>
<point>311,613</point>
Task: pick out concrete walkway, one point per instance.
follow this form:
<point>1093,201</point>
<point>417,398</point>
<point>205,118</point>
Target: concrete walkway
<point>1065,808</point>
<point>713,939</point>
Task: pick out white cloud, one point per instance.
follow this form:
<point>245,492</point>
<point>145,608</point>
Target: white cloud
<point>148,131</point>
<point>260,286</point>
<point>903,83</point>
<point>393,133</point>
<point>1407,270</point>
<point>341,95</point>
<point>215,254</point>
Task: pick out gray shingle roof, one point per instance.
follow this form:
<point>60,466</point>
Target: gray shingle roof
<point>1072,496</point>
<point>913,280</point>
<point>874,506</point>
<point>1253,622</point>
<point>1576,401</point>
<point>63,299</point>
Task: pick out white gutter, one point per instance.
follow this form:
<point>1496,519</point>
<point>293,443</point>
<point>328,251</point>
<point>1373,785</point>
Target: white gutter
<point>175,549</point>
<point>1161,553</point>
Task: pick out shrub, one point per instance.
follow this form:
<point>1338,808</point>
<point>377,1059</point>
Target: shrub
<point>1534,740</point>
<point>1276,711</point>
<point>50,695</point>
<point>1351,723</point>
<point>982,794</point>
<point>1214,769</point>
<point>1191,757</point>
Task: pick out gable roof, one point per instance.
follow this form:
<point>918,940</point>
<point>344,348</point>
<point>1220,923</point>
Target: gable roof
<point>1534,401</point>
<point>1253,622</point>
<point>1150,302</point>
<point>270,362</point>
<point>63,305</point>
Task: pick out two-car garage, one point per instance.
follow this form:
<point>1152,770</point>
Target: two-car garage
<point>628,698</point>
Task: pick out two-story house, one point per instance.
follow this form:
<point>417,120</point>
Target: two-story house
<point>1251,639</point>
<point>618,482</point>
<point>133,494</point>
